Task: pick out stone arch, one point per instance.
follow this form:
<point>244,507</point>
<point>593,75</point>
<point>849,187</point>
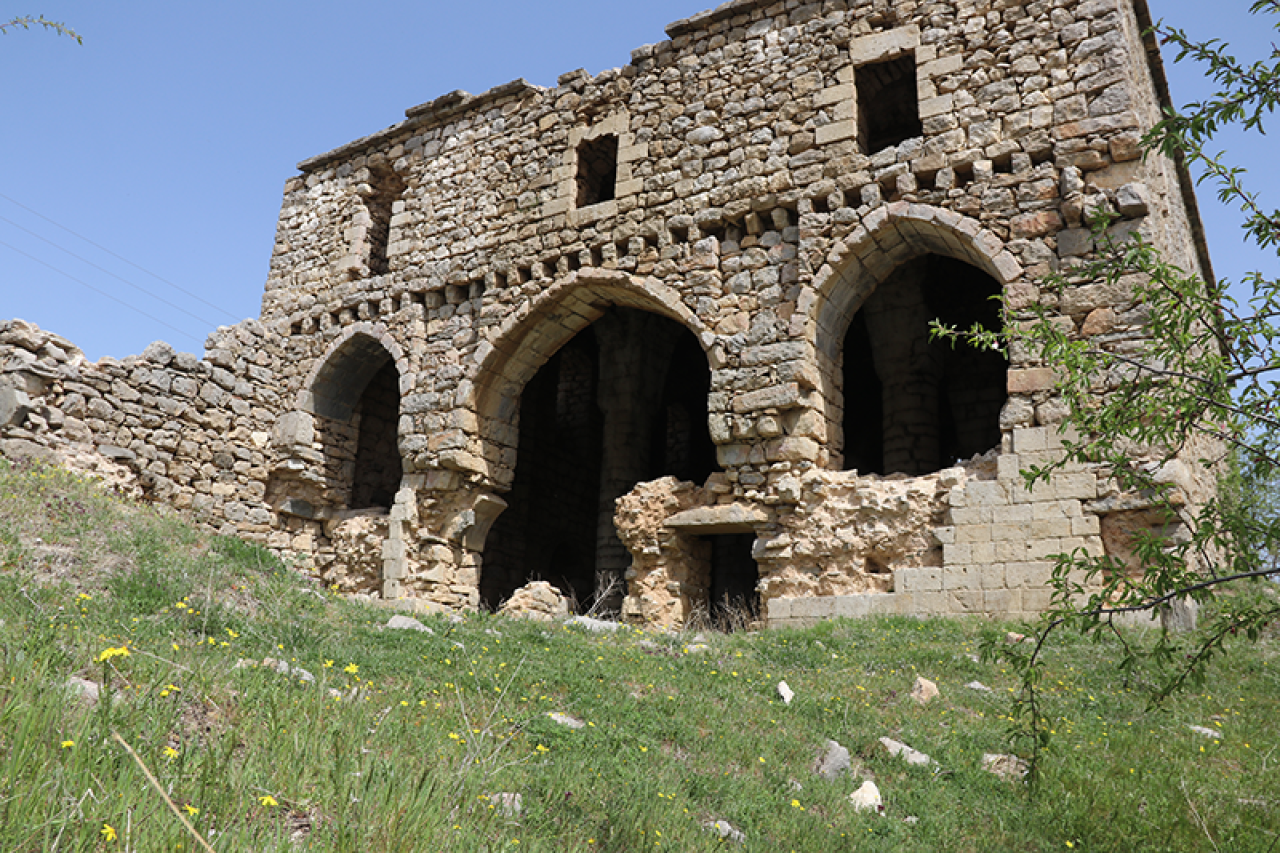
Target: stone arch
<point>599,386</point>
<point>889,238</point>
<point>530,336</point>
<point>345,364</point>
<point>353,394</point>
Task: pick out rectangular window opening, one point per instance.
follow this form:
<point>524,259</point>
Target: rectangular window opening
<point>597,170</point>
<point>888,103</point>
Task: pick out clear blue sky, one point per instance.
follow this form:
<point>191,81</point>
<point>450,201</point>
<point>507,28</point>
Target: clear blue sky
<point>165,139</point>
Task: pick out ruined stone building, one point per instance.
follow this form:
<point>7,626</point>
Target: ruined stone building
<point>660,336</point>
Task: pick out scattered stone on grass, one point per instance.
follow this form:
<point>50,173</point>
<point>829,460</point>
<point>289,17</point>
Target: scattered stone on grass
<point>867,798</point>
<point>507,804</point>
<point>284,668</point>
<point>979,686</point>
<point>832,761</point>
<point>1007,767</point>
<point>901,750</point>
<point>785,691</point>
<point>726,831</point>
<point>566,720</point>
<point>924,690</point>
<point>400,622</point>
<point>1206,732</point>
<point>85,690</point>
<point>1013,638</point>
<point>594,625</point>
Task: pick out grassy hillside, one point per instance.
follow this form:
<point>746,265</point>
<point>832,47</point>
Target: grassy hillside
<point>377,739</point>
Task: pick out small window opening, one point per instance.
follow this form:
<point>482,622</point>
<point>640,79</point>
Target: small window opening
<point>385,188</point>
<point>888,103</point>
<point>597,170</point>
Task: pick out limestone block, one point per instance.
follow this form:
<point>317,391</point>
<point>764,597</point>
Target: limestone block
<point>812,609</point>
<point>778,609</point>
<point>15,406</point>
<point>917,580</point>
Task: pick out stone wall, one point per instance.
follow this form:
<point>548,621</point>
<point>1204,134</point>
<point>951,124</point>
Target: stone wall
<point>796,189</point>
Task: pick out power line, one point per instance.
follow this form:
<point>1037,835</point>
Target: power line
<point>159,278</point>
<point>138,287</point>
<point>186,335</point>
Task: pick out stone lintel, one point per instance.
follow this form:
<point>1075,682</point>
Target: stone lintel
<point>715,520</point>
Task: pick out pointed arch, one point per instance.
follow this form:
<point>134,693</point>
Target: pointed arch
<point>354,395</point>
<point>890,239</point>
<point>528,338</point>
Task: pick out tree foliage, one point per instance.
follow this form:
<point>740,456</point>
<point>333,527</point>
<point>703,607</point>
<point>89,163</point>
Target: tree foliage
<point>26,22</point>
<point>1204,385</point>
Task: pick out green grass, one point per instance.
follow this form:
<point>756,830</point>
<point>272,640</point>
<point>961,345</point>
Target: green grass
<point>440,722</point>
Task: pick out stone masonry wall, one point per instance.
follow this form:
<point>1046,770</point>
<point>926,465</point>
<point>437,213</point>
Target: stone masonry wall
<point>774,164</point>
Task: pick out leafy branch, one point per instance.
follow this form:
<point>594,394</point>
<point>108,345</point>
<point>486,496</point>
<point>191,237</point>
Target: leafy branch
<point>26,22</point>
<point>1180,419</point>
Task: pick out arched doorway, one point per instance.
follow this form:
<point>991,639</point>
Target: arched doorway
<point>622,402</point>
<point>913,404</point>
<point>356,401</point>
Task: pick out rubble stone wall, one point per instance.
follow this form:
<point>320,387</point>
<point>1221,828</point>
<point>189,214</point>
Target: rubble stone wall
<point>755,178</point>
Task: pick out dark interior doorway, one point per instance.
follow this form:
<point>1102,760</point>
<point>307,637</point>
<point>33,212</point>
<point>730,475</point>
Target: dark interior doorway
<point>732,598</point>
<point>913,404</point>
<point>377,467</point>
<point>624,401</point>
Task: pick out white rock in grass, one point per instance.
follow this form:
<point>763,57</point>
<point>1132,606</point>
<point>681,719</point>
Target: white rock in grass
<point>594,625</point>
<point>924,690</point>
<point>507,804</point>
<point>785,691</point>
<point>900,749</point>
<point>566,720</point>
<point>1007,767</point>
<point>726,831</point>
<point>832,761</point>
<point>407,623</point>
<point>867,798</point>
<point>87,691</point>
<point>1207,732</point>
<point>979,686</point>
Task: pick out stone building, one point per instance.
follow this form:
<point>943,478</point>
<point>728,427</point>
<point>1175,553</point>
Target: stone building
<point>661,336</point>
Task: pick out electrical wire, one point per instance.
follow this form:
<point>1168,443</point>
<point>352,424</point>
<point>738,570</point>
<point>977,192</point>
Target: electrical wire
<point>186,335</point>
<point>137,287</point>
<point>102,248</point>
